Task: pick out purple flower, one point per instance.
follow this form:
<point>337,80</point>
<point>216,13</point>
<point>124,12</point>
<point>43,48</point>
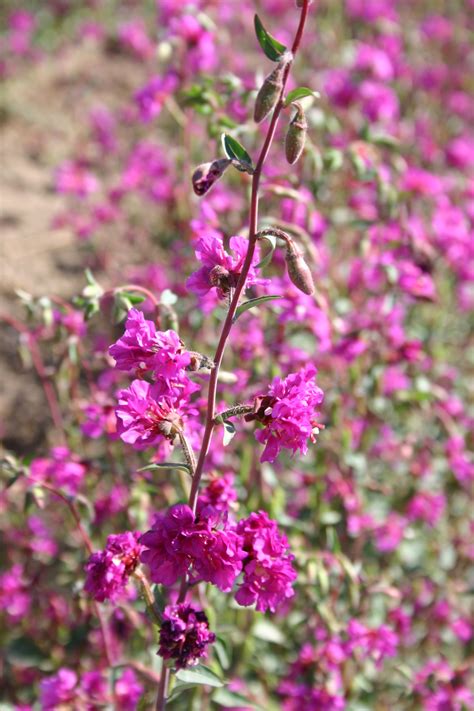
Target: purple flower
<point>128,690</point>
<point>177,542</point>
<point>15,595</point>
<point>375,642</point>
<point>146,415</point>
<point>268,570</point>
<point>62,470</point>
<point>152,96</point>
<point>288,414</point>
<point>73,178</point>
<point>219,493</point>
<point>184,635</point>
<point>142,348</point>
<point>221,270</point>
<point>58,690</point>
<point>108,570</point>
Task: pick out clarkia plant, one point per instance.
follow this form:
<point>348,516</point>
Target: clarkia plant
<point>250,487</point>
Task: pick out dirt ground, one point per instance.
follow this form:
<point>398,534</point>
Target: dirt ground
<point>43,114</point>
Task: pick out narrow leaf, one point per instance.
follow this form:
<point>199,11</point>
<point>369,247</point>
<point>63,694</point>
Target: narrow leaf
<point>273,49</point>
<point>199,675</point>
<point>230,699</point>
<point>300,93</point>
<point>166,465</point>
<point>253,302</point>
<point>235,150</point>
<point>229,432</point>
<point>271,239</point>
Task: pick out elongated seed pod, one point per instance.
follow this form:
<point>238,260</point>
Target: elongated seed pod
<point>298,270</point>
<point>269,93</point>
<point>296,135</point>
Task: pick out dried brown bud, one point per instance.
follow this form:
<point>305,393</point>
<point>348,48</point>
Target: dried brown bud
<point>206,175</point>
<point>298,270</point>
<point>296,135</point>
<point>269,93</point>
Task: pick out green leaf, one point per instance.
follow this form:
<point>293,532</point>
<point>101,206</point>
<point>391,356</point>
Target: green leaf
<point>229,432</point>
<point>199,675</point>
<point>24,652</point>
<point>235,150</point>
<point>272,240</point>
<point>230,699</point>
<point>268,632</point>
<point>300,93</point>
<point>273,49</point>
<point>166,465</point>
<point>251,303</point>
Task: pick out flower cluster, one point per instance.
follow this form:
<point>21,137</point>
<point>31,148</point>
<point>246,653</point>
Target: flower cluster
<point>184,635</point>
<point>288,414</point>
<point>108,571</point>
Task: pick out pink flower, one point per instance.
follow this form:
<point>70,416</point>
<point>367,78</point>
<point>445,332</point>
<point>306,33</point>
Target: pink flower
<point>219,493</point>
<point>15,596</point>
<point>268,570</point>
<point>73,178</point>
<point>142,348</point>
<point>62,470</point>
<point>427,507</point>
<point>128,691</point>
<point>134,37</point>
<point>184,635</point>
<point>58,690</point>
<point>221,270</point>
<point>147,414</point>
<point>376,642</point>
<point>108,570</point>
<point>152,96</point>
<point>177,542</point>
<point>288,413</point>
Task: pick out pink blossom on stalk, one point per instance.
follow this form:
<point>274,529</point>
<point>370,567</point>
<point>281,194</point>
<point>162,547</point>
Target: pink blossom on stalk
<point>108,570</point>
<point>177,542</point>
<point>62,470</point>
<point>15,596</point>
<point>221,270</point>
<point>147,414</point>
<point>218,493</point>
<point>268,570</point>
<point>73,178</point>
<point>134,37</point>
<point>288,413</point>
<point>184,635</point>
<point>152,96</point>
<point>58,690</point>
<point>426,506</point>
<point>375,642</point>
<point>128,690</point>
<point>142,348</point>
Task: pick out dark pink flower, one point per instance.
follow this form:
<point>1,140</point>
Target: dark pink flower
<point>268,571</point>
<point>128,691</point>
<point>177,542</point>
<point>108,570</point>
<point>221,270</point>
<point>58,690</point>
<point>288,414</point>
<point>142,348</point>
<point>218,493</point>
<point>184,635</point>
<point>152,96</point>
<point>147,414</point>
<point>62,470</point>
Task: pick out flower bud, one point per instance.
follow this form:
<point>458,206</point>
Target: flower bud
<point>298,270</point>
<point>296,135</point>
<point>300,3</point>
<point>206,175</point>
<point>269,93</point>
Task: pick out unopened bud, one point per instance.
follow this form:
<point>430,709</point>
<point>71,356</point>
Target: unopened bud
<point>298,270</point>
<point>206,174</point>
<point>300,3</point>
<point>296,135</point>
<point>269,93</point>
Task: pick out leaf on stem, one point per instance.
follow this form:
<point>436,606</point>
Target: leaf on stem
<point>273,49</point>
<point>253,302</point>
<point>300,93</point>
<point>199,675</point>
<point>166,465</point>
<point>229,432</point>
<point>272,240</point>
<point>235,151</point>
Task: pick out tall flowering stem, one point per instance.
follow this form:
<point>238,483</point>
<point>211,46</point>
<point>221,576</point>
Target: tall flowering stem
<point>226,329</point>
<point>253,220</point>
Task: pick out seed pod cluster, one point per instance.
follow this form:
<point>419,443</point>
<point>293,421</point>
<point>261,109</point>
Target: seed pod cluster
<point>296,135</point>
<point>298,270</point>
<point>269,93</point>
<point>206,175</point>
